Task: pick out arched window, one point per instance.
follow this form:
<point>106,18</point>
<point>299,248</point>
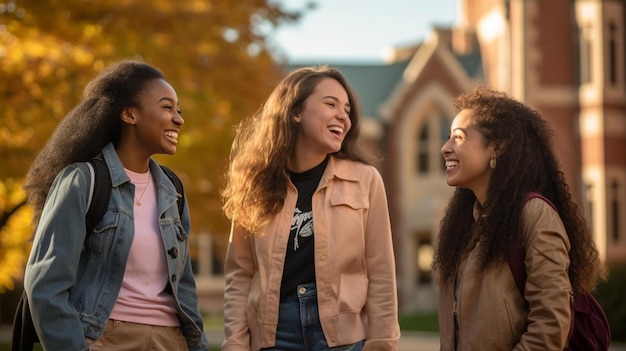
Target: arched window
<point>431,136</point>
<point>423,149</point>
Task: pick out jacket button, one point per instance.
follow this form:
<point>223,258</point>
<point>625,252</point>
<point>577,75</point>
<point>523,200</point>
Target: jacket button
<point>173,252</point>
<point>173,278</point>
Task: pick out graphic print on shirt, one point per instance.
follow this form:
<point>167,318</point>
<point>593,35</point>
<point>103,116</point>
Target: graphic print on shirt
<point>301,226</point>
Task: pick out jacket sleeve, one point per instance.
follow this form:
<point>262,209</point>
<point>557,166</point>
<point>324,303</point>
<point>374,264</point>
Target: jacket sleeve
<point>383,331</point>
<point>239,269</point>
<point>188,294</point>
<point>547,288</point>
<point>52,266</point>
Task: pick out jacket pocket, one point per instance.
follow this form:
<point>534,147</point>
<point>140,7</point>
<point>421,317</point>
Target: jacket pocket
<point>349,211</point>
<point>98,240</point>
<point>353,201</point>
<point>352,292</point>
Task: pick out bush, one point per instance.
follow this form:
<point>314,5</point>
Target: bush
<point>610,296</point>
<point>426,322</point>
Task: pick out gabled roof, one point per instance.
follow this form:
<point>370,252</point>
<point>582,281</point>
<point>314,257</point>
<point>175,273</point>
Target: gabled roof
<point>375,83</point>
<point>472,63</point>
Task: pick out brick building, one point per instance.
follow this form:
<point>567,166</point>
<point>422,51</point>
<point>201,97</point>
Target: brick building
<point>564,58</point>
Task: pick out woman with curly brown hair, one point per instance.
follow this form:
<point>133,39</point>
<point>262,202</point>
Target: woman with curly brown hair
<point>310,262</point>
<point>499,151</point>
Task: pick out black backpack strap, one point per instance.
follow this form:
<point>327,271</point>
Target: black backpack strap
<point>101,194</point>
<point>24,335</point>
<point>178,184</point>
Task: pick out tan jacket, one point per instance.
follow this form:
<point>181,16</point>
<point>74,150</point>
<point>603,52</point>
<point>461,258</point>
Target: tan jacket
<point>354,265</point>
<point>492,313</point>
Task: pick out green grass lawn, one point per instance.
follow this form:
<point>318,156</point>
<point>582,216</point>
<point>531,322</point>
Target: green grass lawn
<point>426,322</point>
<point>5,346</point>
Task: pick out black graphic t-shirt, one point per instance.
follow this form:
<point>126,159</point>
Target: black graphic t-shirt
<point>300,257</point>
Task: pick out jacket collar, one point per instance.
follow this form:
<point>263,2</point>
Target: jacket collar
<point>116,169</point>
<point>339,168</point>
<point>119,176</point>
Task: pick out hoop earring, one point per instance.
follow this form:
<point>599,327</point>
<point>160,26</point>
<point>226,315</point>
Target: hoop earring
<point>492,163</point>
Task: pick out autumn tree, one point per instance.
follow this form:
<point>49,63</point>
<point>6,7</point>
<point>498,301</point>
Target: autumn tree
<point>215,53</point>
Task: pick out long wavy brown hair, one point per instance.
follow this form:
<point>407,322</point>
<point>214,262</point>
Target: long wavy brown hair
<point>93,123</point>
<point>525,163</point>
<point>256,182</point>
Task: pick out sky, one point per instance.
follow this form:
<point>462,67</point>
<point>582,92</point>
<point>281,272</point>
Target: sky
<point>359,30</point>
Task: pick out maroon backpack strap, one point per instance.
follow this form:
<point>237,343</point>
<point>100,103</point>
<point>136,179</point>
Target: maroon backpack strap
<point>517,254</point>
<point>516,263</point>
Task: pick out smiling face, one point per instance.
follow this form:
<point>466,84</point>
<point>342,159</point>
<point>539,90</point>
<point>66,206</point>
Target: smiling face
<point>157,118</point>
<point>467,156</point>
<point>323,123</point>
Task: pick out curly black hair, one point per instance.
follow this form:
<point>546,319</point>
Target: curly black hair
<point>526,163</point>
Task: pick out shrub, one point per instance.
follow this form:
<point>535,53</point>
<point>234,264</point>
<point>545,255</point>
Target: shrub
<point>610,296</point>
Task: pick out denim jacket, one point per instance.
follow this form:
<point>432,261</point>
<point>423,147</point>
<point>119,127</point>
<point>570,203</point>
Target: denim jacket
<point>72,279</point>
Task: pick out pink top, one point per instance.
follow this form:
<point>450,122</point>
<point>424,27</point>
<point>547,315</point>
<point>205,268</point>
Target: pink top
<point>142,298</point>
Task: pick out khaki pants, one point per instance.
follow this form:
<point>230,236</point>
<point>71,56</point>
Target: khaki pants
<point>127,336</point>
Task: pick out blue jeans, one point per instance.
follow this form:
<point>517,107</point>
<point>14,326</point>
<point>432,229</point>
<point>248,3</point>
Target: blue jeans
<point>299,325</point>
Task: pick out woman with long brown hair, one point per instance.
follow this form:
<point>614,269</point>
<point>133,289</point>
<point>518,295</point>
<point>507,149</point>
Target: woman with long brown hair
<point>310,262</point>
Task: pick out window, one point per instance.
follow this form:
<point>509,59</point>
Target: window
<point>585,54</point>
<point>423,150</point>
<point>444,134</point>
<point>424,258</point>
<point>589,205</point>
<point>612,54</point>
<point>431,135</point>
<point>615,208</point>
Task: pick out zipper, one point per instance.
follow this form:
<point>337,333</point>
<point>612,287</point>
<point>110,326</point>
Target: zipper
<point>457,289</point>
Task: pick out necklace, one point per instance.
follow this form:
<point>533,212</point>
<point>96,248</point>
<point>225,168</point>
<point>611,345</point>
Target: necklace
<point>138,201</point>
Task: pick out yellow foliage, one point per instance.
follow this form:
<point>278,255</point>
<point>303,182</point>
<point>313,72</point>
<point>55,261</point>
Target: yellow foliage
<point>92,30</point>
<point>82,56</point>
<point>49,52</point>
<point>14,236</point>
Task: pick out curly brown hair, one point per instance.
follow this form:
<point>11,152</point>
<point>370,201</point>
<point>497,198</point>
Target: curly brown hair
<point>526,163</point>
<point>93,123</point>
<point>256,182</point>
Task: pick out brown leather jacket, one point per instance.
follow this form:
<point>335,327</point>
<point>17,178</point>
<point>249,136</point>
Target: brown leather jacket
<point>492,313</point>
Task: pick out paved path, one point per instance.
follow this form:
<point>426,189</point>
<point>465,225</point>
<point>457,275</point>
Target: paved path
<point>409,341</point>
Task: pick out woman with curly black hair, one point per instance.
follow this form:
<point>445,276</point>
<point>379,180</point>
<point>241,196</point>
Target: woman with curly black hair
<point>128,284</point>
<point>499,151</point>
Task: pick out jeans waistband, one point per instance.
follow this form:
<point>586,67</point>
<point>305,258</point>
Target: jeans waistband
<point>305,290</point>
<point>302,290</point>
